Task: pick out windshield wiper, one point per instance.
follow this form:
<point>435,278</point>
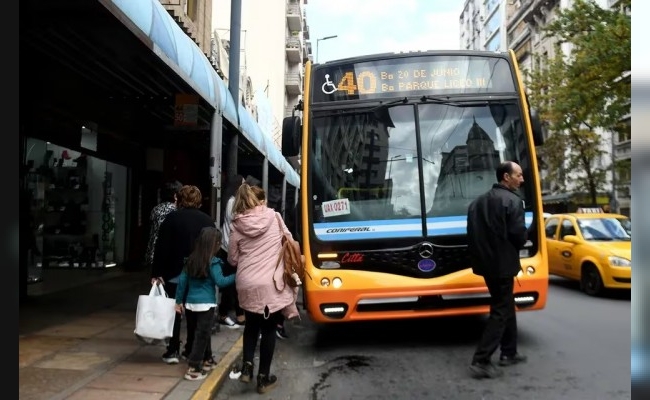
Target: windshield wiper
<point>439,100</point>
<point>390,103</point>
<point>467,102</point>
<point>355,111</point>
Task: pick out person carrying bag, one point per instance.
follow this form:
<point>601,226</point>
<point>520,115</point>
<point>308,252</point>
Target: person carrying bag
<point>154,319</point>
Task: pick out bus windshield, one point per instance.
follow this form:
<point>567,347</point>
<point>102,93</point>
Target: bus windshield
<point>377,172</point>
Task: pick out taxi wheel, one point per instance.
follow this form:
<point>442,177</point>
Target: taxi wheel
<point>590,281</point>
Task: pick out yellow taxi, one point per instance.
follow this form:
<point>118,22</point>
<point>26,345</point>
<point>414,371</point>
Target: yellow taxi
<point>592,247</point>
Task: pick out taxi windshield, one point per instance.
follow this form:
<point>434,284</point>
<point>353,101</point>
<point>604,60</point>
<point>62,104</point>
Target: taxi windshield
<point>627,225</point>
<point>603,229</point>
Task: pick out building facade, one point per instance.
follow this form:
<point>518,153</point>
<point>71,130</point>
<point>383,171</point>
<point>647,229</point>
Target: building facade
<point>274,47</point>
<point>483,25</point>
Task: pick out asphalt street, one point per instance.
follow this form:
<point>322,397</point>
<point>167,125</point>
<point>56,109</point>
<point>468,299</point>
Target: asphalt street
<point>578,348</point>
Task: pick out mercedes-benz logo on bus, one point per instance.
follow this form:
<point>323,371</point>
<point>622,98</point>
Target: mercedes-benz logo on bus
<point>425,250</point>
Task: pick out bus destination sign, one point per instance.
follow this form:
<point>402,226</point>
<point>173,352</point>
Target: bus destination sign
<point>410,76</point>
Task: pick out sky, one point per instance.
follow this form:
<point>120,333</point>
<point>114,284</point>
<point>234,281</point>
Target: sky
<point>380,26</point>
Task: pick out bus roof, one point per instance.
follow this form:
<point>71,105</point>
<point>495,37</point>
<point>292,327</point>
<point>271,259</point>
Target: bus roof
<point>401,54</point>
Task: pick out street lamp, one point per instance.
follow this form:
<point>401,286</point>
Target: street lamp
<point>390,167</point>
<point>324,38</point>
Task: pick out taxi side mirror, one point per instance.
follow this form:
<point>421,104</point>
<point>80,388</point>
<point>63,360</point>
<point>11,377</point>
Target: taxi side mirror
<point>571,239</point>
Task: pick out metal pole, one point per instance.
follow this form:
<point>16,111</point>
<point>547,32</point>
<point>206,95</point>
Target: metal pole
<point>235,35</point>
<point>233,158</point>
<point>215,165</point>
<point>614,205</point>
<point>265,174</point>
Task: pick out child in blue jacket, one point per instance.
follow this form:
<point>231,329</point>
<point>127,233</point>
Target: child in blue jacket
<point>196,294</point>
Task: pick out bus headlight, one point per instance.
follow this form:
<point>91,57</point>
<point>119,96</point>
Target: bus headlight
<point>619,262</point>
<point>337,283</point>
<point>324,282</point>
<point>530,270</point>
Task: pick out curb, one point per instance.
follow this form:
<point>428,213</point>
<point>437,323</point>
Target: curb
<point>209,387</point>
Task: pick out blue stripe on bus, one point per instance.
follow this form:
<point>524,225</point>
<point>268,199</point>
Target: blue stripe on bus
<point>385,229</point>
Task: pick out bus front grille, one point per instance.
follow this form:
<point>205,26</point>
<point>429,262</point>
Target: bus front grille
<point>408,261</point>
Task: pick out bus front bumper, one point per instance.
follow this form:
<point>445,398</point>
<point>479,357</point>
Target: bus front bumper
<point>472,298</point>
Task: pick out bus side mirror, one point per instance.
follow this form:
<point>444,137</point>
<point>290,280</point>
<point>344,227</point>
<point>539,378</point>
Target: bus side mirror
<point>291,136</point>
<point>536,124</point>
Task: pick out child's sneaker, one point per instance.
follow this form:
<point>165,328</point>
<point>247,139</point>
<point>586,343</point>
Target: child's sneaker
<point>170,357</point>
<point>195,374</point>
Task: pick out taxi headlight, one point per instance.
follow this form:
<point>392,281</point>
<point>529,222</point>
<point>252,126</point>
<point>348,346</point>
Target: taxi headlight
<point>619,261</point>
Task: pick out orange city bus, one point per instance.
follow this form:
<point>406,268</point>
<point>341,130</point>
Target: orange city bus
<point>393,148</point>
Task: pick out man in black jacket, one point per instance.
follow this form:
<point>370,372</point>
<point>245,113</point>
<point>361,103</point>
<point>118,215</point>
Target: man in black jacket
<point>175,240</point>
<point>496,231</point>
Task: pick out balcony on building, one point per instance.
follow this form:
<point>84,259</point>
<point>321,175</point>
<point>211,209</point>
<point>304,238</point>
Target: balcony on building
<point>294,16</point>
<point>293,83</point>
<point>294,49</point>
<point>305,31</point>
<point>536,11</point>
<point>306,51</point>
<point>519,36</point>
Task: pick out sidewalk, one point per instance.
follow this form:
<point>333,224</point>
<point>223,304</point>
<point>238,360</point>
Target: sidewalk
<point>79,344</point>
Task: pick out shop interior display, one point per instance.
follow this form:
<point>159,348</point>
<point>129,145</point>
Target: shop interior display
<point>60,202</point>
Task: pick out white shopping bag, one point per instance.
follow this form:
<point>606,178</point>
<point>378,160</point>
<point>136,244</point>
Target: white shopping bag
<point>154,319</point>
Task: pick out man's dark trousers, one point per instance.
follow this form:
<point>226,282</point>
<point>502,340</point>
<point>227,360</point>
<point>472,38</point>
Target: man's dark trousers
<point>501,328</point>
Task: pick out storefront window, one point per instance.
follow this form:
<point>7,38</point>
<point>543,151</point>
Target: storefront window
<point>78,208</point>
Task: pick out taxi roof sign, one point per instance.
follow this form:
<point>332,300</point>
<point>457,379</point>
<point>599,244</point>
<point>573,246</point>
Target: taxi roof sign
<point>590,210</point>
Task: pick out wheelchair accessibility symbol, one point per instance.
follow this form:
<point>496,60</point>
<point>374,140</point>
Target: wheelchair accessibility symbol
<point>328,87</point>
